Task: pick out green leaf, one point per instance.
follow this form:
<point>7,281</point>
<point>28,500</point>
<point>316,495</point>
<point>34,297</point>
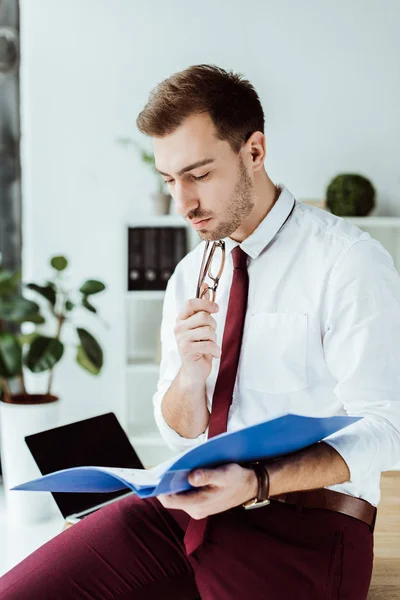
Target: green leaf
<point>59,263</point>
<point>69,305</point>
<point>148,158</point>
<point>47,292</point>
<point>36,318</point>
<point>86,304</point>
<point>124,141</point>
<point>27,338</point>
<point>90,355</point>
<point>17,309</point>
<point>83,360</point>
<point>44,353</point>
<point>9,281</point>
<point>92,286</point>
<point>10,355</point>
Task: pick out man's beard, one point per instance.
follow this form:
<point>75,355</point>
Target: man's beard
<point>240,206</point>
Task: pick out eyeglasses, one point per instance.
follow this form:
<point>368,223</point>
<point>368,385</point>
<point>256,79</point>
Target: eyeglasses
<point>216,258</point>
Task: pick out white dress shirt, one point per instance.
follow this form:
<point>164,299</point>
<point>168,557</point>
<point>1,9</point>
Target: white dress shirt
<point>321,335</point>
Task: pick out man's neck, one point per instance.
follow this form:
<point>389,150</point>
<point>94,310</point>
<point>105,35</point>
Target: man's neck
<point>265,196</point>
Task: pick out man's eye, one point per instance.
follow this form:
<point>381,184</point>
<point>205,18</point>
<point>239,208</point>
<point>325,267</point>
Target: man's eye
<point>201,177</point>
<point>169,181</point>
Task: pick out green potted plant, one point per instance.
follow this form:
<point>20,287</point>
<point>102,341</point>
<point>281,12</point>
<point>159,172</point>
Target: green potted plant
<point>161,198</point>
<point>23,413</point>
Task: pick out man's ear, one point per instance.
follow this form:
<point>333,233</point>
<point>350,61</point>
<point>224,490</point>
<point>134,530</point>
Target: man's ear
<point>256,148</point>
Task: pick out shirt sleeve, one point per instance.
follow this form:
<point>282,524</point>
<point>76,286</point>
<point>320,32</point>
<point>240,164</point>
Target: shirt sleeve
<point>361,343</point>
<point>169,368</point>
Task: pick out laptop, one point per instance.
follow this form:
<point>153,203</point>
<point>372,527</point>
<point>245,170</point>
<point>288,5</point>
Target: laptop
<point>99,441</point>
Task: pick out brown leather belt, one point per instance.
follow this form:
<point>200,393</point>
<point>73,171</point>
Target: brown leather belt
<point>331,500</point>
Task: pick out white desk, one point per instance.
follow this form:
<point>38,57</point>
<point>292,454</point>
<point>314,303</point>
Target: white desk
<point>17,542</point>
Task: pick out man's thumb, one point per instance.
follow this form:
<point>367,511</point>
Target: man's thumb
<point>200,477</point>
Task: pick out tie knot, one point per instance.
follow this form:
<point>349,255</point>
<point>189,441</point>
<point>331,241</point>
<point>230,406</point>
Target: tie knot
<point>239,257</point>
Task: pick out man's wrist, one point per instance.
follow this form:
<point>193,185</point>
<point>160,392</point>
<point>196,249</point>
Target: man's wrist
<point>189,383</point>
<point>252,485</point>
<point>316,466</point>
<point>261,497</point>
<point>275,472</point>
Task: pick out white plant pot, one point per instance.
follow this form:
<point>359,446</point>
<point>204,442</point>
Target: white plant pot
<point>18,465</point>
<point>161,203</point>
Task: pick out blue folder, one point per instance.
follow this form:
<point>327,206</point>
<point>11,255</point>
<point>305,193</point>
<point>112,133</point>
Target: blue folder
<point>270,439</point>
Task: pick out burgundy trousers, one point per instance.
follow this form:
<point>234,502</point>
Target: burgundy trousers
<point>133,549</point>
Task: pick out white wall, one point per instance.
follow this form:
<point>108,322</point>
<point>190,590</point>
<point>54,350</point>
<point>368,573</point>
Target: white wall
<point>327,73</point>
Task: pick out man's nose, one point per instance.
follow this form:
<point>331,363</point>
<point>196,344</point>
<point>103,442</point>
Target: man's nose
<point>185,199</point>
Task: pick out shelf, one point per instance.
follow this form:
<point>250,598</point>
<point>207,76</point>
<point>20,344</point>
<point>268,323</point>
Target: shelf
<point>158,221</point>
<point>176,220</point>
<point>384,222</point>
<point>143,367</point>
<point>145,295</point>
<point>150,438</point>
<point>151,448</point>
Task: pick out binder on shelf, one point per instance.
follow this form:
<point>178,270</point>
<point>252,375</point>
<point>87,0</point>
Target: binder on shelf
<point>181,248</point>
<point>153,254</point>
<point>135,259</point>
<point>166,254</point>
<point>151,262</point>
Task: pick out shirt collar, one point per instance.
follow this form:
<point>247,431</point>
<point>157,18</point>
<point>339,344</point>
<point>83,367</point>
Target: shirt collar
<point>268,227</point>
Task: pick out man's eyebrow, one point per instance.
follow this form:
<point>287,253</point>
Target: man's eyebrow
<point>199,163</point>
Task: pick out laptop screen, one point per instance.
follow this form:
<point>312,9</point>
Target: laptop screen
<point>99,441</point>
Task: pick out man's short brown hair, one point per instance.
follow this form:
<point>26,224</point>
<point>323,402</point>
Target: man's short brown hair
<point>230,100</point>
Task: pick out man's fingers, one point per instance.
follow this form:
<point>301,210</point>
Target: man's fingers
<point>181,500</point>
<point>201,477</point>
<point>217,476</point>
<point>193,305</point>
<point>214,491</point>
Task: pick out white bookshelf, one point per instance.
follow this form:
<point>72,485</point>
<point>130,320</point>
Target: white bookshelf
<point>146,294</point>
<point>375,222</point>
<point>143,311</point>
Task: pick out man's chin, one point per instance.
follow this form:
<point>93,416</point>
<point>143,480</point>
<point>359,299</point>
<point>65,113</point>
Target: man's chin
<point>209,236</point>
<point>216,234</point>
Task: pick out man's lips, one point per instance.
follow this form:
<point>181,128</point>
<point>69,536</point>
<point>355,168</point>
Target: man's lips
<point>200,220</point>
<point>201,223</point>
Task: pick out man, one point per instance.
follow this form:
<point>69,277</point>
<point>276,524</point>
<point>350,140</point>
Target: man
<point>315,304</point>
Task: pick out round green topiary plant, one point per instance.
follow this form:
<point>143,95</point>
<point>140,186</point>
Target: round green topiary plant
<point>349,195</point>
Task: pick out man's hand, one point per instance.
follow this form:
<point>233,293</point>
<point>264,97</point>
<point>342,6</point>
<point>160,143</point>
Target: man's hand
<point>184,406</point>
<point>221,488</point>
<point>196,338</point>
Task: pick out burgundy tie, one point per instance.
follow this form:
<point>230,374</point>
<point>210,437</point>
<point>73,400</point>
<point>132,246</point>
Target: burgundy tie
<point>230,351</point>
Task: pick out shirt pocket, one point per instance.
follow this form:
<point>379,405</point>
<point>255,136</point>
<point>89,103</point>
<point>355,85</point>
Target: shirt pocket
<point>274,352</point>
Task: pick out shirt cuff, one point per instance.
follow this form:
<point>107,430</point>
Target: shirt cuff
<point>360,447</point>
